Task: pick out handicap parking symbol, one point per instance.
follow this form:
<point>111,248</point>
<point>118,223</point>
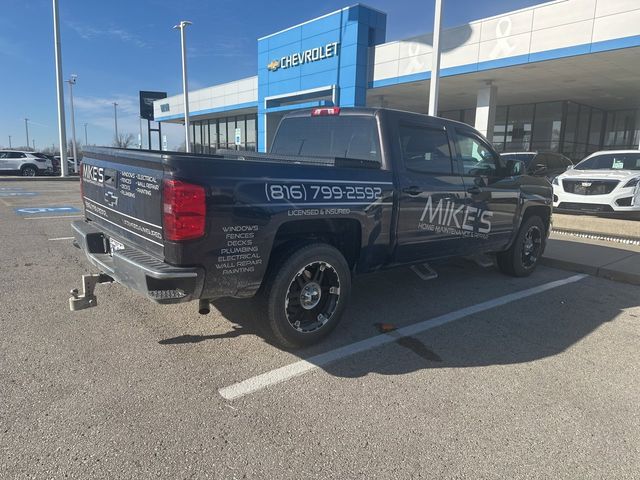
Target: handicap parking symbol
<point>7,193</point>
<point>40,210</point>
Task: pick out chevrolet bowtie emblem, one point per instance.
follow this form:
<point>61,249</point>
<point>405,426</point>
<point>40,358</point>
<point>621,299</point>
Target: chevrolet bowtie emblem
<point>274,65</point>
<point>110,198</point>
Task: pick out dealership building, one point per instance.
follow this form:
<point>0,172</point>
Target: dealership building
<point>561,76</point>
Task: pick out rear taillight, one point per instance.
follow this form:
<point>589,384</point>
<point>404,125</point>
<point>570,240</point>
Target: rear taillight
<point>183,210</point>
<point>321,112</point>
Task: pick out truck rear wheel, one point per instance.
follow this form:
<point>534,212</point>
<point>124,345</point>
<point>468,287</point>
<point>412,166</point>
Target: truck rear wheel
<point>522,258</point>
<point>306,294</point>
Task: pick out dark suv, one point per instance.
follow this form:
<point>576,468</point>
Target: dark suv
<point>541,164</point>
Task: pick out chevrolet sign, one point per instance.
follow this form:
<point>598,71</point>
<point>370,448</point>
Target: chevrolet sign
<point>307,56</point>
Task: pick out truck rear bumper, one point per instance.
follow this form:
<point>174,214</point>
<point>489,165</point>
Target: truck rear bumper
<point>139,271</point>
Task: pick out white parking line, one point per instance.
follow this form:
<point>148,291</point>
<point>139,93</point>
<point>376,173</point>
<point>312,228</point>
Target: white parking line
<point>60,238</point>
<point>287,372</point>
<point>57,216</point>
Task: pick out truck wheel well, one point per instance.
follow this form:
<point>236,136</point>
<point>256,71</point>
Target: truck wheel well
<point>543,212</point>
<point>342,233</point>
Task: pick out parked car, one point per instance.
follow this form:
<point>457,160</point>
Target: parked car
<point>70,165</point>
<point>27,164</point>
<point>343,191</point>
<point>541,164</point>
<point>604,182</point>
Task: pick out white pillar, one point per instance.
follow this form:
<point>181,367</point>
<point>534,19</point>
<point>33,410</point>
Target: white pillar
<point>486,110</point>
<point>434,83</point>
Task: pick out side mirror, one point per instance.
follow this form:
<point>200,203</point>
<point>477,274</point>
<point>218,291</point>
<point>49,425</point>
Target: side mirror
<point>515,168</point>
<point>539,169</point>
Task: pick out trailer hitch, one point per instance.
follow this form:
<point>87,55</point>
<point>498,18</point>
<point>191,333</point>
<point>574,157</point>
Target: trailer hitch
<point>88,298</point>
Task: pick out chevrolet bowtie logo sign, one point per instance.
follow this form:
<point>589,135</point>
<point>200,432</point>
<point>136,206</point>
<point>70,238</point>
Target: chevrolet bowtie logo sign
<point>306,56</point>
<point>273,66</point>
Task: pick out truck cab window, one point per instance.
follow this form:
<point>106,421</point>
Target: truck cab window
<point>341,136</point>
<point>425,149</point>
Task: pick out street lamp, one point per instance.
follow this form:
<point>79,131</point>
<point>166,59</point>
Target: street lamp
<point>26,127</point>
<point>34,144</point>
<point>185,89</point>
<point>62,134</point>
<point>434,88</point>
<point>86,142</point>
<point>115,119</point>
<point>72,82</point>
<point>9,141</point>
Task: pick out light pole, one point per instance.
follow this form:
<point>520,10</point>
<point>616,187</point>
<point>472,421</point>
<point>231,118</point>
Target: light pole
<point>9,141</point>
<point>86,142</point>
<point>72,82</point>
<point>115,119</point>
<point>434,88</point>
<point>26,127</point>
<point>62,133</point>
<point>185,89</point>
<point>34,144</point>
<point>140,134</point>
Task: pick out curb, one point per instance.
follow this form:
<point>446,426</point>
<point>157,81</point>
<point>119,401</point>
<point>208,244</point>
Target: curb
<point>628,240</point>
<point>602,272</point>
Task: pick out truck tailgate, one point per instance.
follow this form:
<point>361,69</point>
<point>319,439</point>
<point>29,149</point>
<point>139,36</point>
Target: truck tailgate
<point>124,196</point>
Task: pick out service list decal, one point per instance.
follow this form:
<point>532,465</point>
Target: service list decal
<point>239,255</point>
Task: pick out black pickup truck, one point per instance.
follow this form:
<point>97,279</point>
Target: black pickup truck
<point>342,192</point>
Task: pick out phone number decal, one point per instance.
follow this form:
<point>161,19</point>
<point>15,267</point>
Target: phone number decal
<point>309,192</point>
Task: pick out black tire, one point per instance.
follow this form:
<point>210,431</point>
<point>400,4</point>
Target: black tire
<point>306,292</point>
<point>522,258</point>
<point>28,171</point>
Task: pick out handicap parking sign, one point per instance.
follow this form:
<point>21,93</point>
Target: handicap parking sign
<point>40,210</point>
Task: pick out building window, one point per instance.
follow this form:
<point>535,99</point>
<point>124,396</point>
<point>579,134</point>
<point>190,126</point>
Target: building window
<point>252,132</point>
<point>500,128</point>
<point>547,127</point>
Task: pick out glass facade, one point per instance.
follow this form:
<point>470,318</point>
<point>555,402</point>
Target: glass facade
<point>567,127</point>
<point>209,135</point>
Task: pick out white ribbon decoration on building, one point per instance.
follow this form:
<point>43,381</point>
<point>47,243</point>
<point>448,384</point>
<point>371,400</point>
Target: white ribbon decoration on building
<point>502,47</point>
<point>415,64</point>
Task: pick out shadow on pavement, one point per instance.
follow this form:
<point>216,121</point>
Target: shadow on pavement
<point>236,332</point>
<point>534,328</point>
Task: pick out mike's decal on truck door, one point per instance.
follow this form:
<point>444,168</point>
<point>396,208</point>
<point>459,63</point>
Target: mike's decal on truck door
<point>449,217</point>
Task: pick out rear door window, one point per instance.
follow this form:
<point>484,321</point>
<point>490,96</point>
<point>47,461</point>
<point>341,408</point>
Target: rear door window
<point>425,150</point>
<point>332,136</point>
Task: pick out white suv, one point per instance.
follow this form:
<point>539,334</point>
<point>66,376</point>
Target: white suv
<point>604,182</point>
<point>27,164</point>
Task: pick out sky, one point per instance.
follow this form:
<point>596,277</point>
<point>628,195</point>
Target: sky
<point>118,47</point>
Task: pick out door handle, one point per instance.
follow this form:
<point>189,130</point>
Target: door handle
<point>474,190</point>
<point>412,190</point>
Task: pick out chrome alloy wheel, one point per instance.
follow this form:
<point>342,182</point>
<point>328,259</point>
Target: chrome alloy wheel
<point>531,246</point>
<point>312,297</point>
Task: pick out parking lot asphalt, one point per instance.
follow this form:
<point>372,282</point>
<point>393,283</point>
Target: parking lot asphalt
<point>486,376</point>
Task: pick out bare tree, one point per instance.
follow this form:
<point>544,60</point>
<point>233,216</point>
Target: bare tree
<point>123,140</point>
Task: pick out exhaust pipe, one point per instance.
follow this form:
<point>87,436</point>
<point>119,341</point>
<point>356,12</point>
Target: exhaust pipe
<point>203,306</point>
